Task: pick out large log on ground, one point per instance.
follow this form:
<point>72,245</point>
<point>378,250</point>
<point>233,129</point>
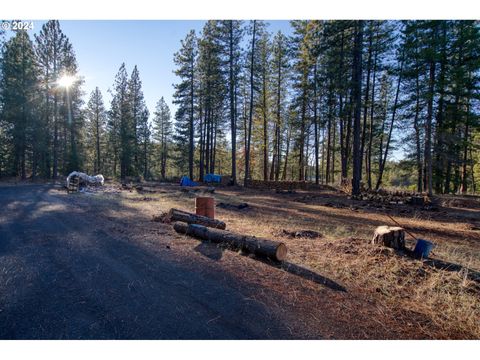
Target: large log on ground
<point>271,249</point>
<point>179,215</point>
<point>390,236</point>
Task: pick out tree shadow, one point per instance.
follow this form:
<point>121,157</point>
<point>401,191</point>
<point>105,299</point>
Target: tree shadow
<point>267,204</point>
<point>210,250</point>
<point>302,272</point>
<point>312,276</point>
<point>71,277</point>
<point>443,265</point>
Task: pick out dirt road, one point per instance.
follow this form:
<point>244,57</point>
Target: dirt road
<point>62,276</point>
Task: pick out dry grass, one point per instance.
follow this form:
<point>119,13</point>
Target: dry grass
<point>386,293</point>
<point>445,299</point>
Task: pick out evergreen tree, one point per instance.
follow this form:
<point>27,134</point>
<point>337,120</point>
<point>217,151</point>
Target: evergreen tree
<point>280,74</point>
<point>213,92</point>
<point>413,104</point>
<point>72,114</point>
<point>302,66</point>
<point>255,31</point>
<point>138,126</point>
<point>18,102</point>
<point>231,35</point>
<point>265,97</point>
<point>3,136</point>
<point>50,45</point>
<point>143,136</point>
<point>96,128</point>
<point>357,90</point>
<point>121,125</point>
<point>212,77</point>
<point>162,132</point>
<point>184,98</point>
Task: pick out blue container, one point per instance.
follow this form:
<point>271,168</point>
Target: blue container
<point>212,178</point>
<point>423,248</point>
<point>185,181</point>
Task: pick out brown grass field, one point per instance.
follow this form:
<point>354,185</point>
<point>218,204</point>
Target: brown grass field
<point>387,295</point>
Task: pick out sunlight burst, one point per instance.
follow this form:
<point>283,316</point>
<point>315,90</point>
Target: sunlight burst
<point>66,81</point>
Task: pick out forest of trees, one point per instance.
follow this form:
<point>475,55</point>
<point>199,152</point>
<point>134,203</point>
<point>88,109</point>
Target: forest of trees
<point>330,103</point>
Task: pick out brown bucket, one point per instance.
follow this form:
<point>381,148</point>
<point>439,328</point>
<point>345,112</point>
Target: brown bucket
<point>205,206</point>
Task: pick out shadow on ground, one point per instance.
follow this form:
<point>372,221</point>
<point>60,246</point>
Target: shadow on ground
<point>64,276</point>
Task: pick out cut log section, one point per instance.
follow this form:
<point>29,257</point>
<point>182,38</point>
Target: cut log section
<point>258,246</point>
<point>390,236</point>
<point>179,215</point>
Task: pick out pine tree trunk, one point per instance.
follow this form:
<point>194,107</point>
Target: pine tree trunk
<point>367,90</point>
<point>417,135</point>
<point>333,150</point>
<point>466,135</point>
<point>392,122</point>
<point>322,163</point>
<point>428,126</point>
<point>357,80</point>
<point>276,157</point>
<point>341,113</point>
<point>214,147</point>
<point>274,154</point>
<point>250,117</point>
<point>55,138</point>
<point>315,123</point>
<point>233,112</point>
<point>202,140</point>
<point>55,109</point>
<point>348,134</point>
<point>265,129</point>
<point>279,158</point>
<point>372,113</point>
<point>439,134</point>
<point>472,171</point>
<point>191,128</point>
<point>301,158</point>
<point>329,132</point>
<point>207,141</point>
<point>289,134</point>
<point>97,125</point>
<point>145,159</point>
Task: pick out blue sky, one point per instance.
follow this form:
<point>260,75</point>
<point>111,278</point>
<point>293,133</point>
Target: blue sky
<point>102,45</point>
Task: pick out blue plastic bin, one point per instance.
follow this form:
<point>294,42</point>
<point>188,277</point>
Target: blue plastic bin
<point>212,178</point>
<point>185,181</point>
<point>423,248</point>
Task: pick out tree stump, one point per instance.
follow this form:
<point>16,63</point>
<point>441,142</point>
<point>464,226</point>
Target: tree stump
<point>390,236</point>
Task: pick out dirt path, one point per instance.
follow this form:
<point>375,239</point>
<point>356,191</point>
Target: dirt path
<point>63,277</point>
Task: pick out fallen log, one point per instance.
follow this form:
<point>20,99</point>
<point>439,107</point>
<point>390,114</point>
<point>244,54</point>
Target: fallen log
<point>258,246</point>
<point>390,236</point>
<point>189,218</point>
<point>232,206</point>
